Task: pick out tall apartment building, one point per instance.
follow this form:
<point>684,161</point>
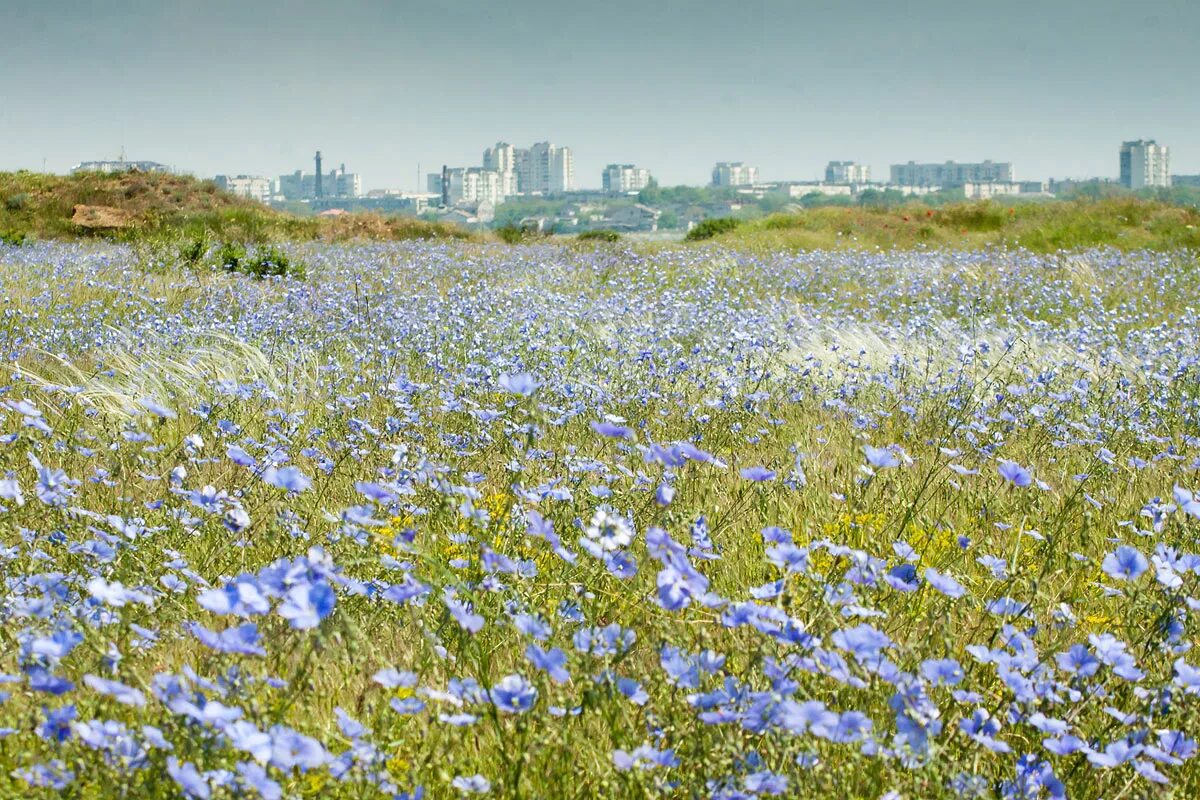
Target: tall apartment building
<point>734,173</point>
<point>548,169</point>
<point>847,172</point>
<point>502,157</point>
<point>254,187</point>
<point>951,173</point>
<point>625,178</point>
<point>1145,163</point>
<point>508,161</point>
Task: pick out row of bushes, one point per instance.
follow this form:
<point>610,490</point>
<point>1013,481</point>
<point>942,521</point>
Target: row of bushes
<point>523,234</point>
<point>261,262</point>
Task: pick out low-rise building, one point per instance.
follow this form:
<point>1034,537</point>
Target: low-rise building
<point>468,185</point>
<point>734,173</point>
<point>985,190</point>
<point>120,165</point>
<point>625,178</point>
<point>847,172</point>
<point>801,188</point>
<point>951,173</point>
<point>635,217</point>
<point>254,187</point>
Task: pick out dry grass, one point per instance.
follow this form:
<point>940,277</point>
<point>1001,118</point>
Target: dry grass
<point>1125,223</point>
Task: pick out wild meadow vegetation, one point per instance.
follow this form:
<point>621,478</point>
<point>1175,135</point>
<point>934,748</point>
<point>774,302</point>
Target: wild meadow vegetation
<point>438,519</point>
<point>158,209</point>
<point>1124,222</point>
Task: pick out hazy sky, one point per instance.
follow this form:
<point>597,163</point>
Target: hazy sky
<point>256,86</point>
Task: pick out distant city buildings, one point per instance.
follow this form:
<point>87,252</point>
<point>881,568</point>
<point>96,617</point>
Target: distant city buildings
<point>951,174</point>
<point>336,184</point>
<point>1185,180</point>
<point>1145,163</point>
<point>253,187</point>
<point>625,178</point>
<point>468,185</point>
<point>734,173</point>
<point>541,169</point>
<point>847,172</point>
<point>120,165</point>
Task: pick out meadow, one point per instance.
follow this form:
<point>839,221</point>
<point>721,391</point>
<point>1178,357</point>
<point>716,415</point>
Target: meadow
<point>452,519</point>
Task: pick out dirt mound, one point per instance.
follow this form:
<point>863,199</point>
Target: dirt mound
<point>101,217</point>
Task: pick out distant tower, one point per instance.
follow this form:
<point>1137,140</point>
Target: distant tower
<point>445,186</point>
<point>318,191</point>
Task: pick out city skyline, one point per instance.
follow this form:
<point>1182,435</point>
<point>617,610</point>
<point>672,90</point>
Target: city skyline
<point>219,88</point>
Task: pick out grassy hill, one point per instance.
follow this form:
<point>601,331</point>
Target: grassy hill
<point>136,205</point>
<point>1125,223</point>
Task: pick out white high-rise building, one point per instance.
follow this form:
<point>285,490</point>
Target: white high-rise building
<point>503,158</point>
<point>734,173</point>
<point>1145,163</point>
<point>548,169</point>
<point>625,178</point>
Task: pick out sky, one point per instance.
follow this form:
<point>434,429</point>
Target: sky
<point>256,86</point>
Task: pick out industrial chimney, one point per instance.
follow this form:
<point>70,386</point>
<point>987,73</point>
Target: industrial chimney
<point>319,194</point>
<point>445,186</point>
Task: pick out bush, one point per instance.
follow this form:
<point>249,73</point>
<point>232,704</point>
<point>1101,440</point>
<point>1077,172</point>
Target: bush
<point>599,236</point>
<point>15,202</point>
<point>231,255</point>
<point>12,238</point>
<point>975,217</point>
<point>513,234</point>
<point>709,228</point>
<point>192,251</point>
<point>272,262</point>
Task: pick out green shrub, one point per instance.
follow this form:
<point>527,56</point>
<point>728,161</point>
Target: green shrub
<point>193,250</point>
<point>975,217</point>
<point>272,262</point>
<point>519,234</point>
<point>709,228</point>
<point>231,256</point>
<point>12,238</point>
<point>16,202</point>
<point>510,234</point>
<point>601,235</point>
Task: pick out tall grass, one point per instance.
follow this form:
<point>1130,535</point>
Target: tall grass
<point>1043,227</point>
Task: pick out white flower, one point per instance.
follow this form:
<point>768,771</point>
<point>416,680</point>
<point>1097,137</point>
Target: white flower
<point>609,530</point>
